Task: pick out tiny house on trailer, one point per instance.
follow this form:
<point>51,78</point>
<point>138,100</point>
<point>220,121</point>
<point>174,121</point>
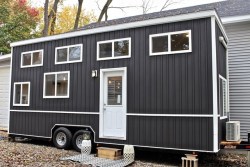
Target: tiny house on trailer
<point>157,80</point>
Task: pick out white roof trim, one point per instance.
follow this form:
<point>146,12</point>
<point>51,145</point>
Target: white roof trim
<point>235,19</point>
<point>5,57</point>
<point>168,19</point>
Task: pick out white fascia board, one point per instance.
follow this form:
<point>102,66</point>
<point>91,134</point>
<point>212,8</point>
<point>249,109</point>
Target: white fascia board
<point>235,19</point>
<point>5,57</point>
<point>168,19</point>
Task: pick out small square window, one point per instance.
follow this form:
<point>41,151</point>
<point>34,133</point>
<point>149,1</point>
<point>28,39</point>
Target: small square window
<point>75,53</point>
<point>121,48</point>
<point>32,59</point>
<point>56,85</point>
<point>105,50</point>
<point>160,44</point>
<point>21,94</point>
<point>180,42</point>
<point>68,54</point>
<point>62,55</point>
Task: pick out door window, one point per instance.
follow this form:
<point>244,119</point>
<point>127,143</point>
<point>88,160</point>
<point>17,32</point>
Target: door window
<point>115,90</point>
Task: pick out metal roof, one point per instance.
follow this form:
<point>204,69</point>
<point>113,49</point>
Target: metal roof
<point>224,9</point>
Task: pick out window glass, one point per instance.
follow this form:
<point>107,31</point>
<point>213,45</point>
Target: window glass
<point>25,94</point>
<point>115,90</point>
<point>160,44</point>
<point>37,58</point>
<point>27,59</point>
<point>121,48</point>
<point>62,84</point>
<point>50,85</point>
<point>180,42</point>
<point>105,50</point>
<point>17,94</point>
<point>62,55</point>
<point>74,53</point>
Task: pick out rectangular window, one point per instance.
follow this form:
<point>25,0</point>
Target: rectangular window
<point>223,97</point>
<point>56,85</point>
<point>68,54</point>
<point>32,59</point>
<point>170,43</point>
<point>21,94</point>
<point>114,49</point>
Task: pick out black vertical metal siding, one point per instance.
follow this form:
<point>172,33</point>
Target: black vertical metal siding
<point>164,84</point>
<point>221,70</point>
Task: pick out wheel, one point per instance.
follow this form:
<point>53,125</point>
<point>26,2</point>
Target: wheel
<point>62,138</point>
<point>78,138</point>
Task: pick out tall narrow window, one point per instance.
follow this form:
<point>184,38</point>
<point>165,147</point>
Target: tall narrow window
<point>223,97</point>
<point>56,85</point>
<point>32,59</point>
<point>21,94</point>
<point>114,49</point>
<point>68,54</point>
<point>170,43</point>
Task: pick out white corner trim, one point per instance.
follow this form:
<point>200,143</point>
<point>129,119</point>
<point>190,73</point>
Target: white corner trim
<point>56,73</point>
<point>67,47</point>
<point>169,19</point>
<point>21,93</point>
<point>214,85</point>
<point>10,85</point>
<point>235,19</point>
<point>168,34</point>
<point>113,49</point>
<point>31,61</point>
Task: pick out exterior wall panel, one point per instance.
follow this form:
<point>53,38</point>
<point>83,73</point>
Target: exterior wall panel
<point>164,84</point>
<point>239,78</point>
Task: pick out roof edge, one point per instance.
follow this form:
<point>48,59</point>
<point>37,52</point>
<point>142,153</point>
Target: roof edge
<point>5,57</point>
<point>156,21</point>
<point>235,19</point>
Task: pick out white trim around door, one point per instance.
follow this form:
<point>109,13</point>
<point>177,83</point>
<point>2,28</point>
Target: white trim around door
<point>113,117</point>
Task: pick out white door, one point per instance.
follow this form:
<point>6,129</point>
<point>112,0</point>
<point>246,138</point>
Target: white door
<point>114,103</point>
<point>4,96</point>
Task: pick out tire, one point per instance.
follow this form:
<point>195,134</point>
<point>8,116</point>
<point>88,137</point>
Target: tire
<point>62,138</point>
<point>77,139</point>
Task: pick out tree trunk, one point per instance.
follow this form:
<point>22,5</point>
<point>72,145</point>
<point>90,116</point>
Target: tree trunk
<point>46,20</point>
<point>52,16</point>
<point>104,10</point>
<point>79,10</point>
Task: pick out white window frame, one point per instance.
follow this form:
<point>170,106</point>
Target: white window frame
<point>31,65</point>
<point>169,43</point>
<point>21,92</point>
<point>113,48</point>
<point>44,84</point>
<point>67,47</point>
<point>224,116</point>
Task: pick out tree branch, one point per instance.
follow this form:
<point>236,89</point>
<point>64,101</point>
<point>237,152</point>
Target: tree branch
<point>104,10</point>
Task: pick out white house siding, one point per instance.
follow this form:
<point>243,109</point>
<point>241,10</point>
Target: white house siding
<point>239,74</point>
<point>4,93</point>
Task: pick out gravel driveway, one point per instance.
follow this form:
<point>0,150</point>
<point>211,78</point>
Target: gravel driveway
<point>39,153</point>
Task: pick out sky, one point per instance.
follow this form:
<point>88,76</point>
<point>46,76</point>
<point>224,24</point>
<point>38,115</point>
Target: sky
<point>114,13</point>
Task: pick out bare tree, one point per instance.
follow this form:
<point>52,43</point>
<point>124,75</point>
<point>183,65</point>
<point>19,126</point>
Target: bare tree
<point>46,20</point>
<point>104,10</point>
<point>52,16</point>
<point>168,3</point>
<point>114,7</point>
<point>79,10</point>
<point>146,6</point>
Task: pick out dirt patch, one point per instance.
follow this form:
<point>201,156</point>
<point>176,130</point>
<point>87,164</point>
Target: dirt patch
<point>38,153</point>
